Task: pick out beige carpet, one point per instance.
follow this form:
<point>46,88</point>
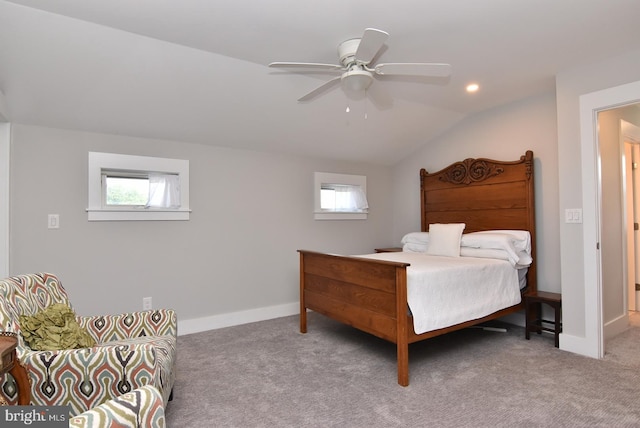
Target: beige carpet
<point>267,374</point>
<point>625,348</point>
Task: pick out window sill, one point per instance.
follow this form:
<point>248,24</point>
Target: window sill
<point>134,215</point>
<point>339,216</point>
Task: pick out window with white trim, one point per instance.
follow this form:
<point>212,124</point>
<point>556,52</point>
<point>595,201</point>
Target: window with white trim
<point>340,196</point>
<point>127,187</point>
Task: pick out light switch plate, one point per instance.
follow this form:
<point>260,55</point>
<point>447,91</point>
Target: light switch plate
<point>573,215</point>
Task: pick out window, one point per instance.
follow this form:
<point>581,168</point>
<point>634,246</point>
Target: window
<point>124,190</point>
<point>138,189</point>
<point>126,187</point>
<point>340,197</point>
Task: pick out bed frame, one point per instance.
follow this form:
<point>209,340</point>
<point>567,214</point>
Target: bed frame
<point>371,295</point>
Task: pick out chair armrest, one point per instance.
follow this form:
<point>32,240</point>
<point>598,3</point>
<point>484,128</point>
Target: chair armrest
<point>107,328</point>
<point>142,407</point>
<point>142,353</point>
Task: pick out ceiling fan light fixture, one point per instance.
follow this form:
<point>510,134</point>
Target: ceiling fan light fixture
<point>357,80</point>
<point>358,71</point>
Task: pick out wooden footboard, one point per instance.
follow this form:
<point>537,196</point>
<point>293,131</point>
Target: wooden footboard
<point>370,295</point>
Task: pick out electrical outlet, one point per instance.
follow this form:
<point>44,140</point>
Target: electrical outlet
<point>147,303</point>
<point>53,221</point>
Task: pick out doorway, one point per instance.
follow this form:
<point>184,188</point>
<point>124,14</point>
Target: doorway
<point>592,192</point>
<point>617,216</point>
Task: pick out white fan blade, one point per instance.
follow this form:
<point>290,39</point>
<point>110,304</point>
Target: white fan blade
<point>306,65</point>
<point>320,89</point>
<point>414,69</point>
<point>370,44</point>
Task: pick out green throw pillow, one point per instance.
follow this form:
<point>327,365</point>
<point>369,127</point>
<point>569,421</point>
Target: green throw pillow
<point>54,328</point>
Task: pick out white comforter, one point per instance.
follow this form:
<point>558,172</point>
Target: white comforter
<point>444,291</point>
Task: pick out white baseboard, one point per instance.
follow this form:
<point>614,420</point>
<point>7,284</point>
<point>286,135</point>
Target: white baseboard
<point>578,345</point>
<point>616,326</point>
<point>214,322</point>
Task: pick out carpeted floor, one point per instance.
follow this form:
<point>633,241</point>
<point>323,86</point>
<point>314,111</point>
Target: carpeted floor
<point>267,374</point>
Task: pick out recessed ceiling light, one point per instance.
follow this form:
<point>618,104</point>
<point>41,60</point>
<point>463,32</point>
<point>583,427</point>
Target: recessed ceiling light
<point>473,87</point>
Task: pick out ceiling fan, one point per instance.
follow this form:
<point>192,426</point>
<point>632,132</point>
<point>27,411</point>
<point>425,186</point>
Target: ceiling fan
<point>357,72</point>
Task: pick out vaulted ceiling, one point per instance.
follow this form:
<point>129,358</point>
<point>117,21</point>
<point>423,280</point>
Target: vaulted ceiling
<point>196,70</point>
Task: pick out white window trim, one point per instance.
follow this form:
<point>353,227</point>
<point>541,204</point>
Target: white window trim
<point>331,178</point>
<point>112,161</point>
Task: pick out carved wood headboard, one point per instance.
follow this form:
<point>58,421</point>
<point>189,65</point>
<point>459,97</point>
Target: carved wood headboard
<point>485,194</point>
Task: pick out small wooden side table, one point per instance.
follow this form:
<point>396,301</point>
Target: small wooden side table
<point>533,314</point>
<point>9,364</point>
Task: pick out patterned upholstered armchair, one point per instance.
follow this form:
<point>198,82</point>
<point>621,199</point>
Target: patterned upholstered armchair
<point>132,350</point>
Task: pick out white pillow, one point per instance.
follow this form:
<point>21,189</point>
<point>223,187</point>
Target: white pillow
<point>411,247</point>
<point>522,260</point>
<point>444,239</point>
<point>518,247</point>
<point>520,239</point>
<point>416,238</point>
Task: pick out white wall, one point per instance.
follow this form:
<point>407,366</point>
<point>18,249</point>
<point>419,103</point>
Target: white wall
<point>251,212</point>
<point>570,85</point>
<point>5,144</point>
<point>4,114</point>
<point>503,133</point>
<point>5,150</point>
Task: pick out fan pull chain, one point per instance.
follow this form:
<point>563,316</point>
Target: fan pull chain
<point>366,96</point>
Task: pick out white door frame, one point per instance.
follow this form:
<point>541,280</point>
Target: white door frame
<point>590,105</point>
<point>629,142</point>
<point>628,212</point>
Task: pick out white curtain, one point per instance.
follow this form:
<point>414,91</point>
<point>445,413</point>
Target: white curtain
<point>164,191</point>
<point>350,198</point>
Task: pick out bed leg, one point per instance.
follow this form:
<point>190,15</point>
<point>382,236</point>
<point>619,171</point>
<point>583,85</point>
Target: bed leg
<point>403,364</point>
<point>303,306</point>
<point>303,320</point>
<point>402,321</point>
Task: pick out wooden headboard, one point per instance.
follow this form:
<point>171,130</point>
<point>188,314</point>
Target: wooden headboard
<point>484,194</point>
